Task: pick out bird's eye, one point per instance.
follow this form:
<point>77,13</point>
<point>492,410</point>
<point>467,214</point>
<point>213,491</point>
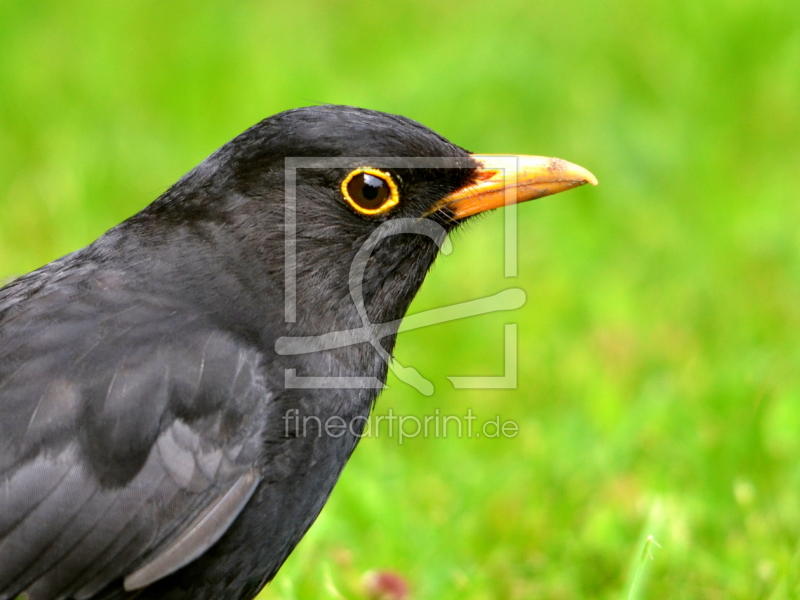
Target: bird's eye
<point>370,191</point>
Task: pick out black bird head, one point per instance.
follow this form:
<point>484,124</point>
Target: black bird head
<point>353,171</point>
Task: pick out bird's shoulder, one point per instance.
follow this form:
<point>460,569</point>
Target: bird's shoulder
<point>130,431</point>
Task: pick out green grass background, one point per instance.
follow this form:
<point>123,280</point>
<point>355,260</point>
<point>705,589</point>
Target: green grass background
<point>658,372</point>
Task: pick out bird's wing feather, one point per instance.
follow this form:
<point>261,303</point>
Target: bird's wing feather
<point>129,440</point>
<point>199,535</point>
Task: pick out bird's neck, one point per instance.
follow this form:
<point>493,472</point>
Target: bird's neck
<point>238,280</point>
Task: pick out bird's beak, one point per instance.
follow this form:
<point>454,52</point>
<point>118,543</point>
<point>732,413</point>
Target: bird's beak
<point>506,180</point>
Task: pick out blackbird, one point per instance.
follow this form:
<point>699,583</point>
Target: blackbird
<point>153,441</point>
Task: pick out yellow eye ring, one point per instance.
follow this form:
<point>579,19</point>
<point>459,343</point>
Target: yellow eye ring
<point>370,191</point>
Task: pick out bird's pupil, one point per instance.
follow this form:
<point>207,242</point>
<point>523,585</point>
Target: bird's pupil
<point>372,187</point>
<point>370,192</point>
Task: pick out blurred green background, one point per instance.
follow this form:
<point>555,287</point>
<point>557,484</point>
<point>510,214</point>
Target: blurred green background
<point>658,374</point>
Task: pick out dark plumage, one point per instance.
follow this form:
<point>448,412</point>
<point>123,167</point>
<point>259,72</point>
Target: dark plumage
<point>144,449</point>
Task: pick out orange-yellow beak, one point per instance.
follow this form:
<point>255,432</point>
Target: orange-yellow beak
<point>506,180</point>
